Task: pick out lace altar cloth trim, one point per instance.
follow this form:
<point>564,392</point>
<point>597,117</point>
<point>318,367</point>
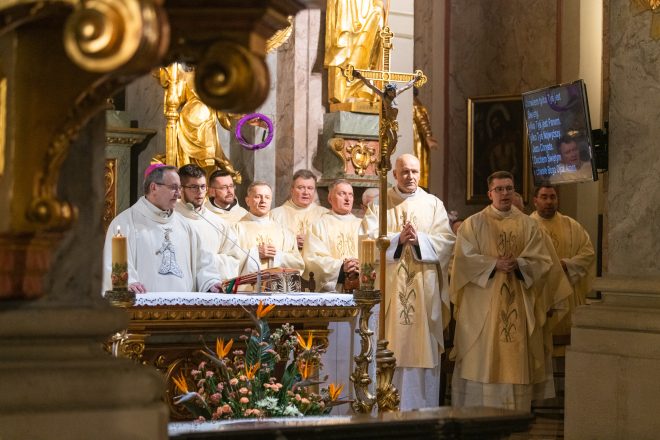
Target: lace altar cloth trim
<point>215,299</point>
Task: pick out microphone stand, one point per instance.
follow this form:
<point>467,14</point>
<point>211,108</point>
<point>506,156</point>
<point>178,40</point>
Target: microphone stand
<point>191,207</point>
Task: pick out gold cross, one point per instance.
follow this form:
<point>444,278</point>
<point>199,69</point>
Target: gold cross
<point>385,75</point>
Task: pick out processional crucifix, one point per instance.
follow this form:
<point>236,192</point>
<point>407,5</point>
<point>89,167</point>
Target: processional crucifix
<point>387,396</point>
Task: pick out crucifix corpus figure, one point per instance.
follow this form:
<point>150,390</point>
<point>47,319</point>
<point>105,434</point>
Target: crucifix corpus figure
<point>389,126</point>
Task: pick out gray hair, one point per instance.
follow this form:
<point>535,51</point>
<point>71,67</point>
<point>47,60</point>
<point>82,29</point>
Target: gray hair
<point>156,176</point>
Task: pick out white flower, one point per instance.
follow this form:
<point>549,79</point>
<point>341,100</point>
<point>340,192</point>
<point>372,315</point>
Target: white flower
<point>292,411</point>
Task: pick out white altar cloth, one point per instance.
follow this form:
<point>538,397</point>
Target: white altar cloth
<point>224,299</point>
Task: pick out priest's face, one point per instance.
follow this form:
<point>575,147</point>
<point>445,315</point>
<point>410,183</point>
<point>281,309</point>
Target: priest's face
<point>546,202</point>
<point>165,194</point>
<point>406,173</point>
<point>501,193</point>
<point>259,199</point>
<point>341,198</point>
<point>194,190</point>
<point>303,192</point>
<point>223,191</point>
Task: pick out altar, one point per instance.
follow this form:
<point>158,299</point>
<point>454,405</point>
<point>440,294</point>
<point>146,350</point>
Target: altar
<point>167,329</point>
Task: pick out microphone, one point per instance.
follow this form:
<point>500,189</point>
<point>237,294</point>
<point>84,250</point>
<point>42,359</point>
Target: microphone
<point>191,207</point>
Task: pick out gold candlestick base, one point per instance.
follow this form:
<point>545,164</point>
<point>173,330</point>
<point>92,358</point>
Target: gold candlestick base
<point>120,297</point>
<point>364,400</point>
<point>386,394</point>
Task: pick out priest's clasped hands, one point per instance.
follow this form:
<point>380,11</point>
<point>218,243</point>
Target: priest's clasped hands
<point>351,265</point>
<point>408,234</point>
<point>506,264</point>
<point>266,251</point>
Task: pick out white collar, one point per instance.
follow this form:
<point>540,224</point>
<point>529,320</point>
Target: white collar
<point>254,218</point>
<point>405,195</point>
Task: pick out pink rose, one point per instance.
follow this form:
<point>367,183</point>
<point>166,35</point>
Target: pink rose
<point>226,409</point>
<point>243,390</point>
<point>233,381</point>
<point>244,400</point>
<point>209,374</point>
<point>304,401</point>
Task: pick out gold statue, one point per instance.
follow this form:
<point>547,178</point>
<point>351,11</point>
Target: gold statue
<point>423,140</point>
<point>352,36</point>
<point>192,127</point>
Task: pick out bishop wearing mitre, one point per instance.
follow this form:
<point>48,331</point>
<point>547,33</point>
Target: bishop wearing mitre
<point>330,249</point>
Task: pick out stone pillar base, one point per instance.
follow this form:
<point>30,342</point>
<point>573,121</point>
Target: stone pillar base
<point>612,364</point>
<point>56,380</point>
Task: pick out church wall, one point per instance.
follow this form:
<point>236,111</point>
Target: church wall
<point>634,157</point>
<point>430,56</point>
<point>144,103</point>
<point>496,48</point>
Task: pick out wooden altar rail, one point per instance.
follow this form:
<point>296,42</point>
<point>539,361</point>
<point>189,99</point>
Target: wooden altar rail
<point>166,330</point>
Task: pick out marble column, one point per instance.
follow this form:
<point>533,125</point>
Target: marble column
<point>431,32</point>
<point>612,365</point>
<point>299,120</point>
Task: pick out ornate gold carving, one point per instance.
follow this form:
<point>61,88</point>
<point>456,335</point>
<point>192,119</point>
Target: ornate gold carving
<point>127,345</point>
<point>110,196</point>
<point>280,37</point>
<point>231,78</point>
<point>364,400</point>
<point>46,209</point>
<point>357,156</point>
<point>387,394</point>
<point>180,315</point>
<point>361,156</point>
<point>104,35</point>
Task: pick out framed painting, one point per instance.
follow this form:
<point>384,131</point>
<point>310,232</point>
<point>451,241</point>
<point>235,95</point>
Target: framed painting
<point>496,141</point>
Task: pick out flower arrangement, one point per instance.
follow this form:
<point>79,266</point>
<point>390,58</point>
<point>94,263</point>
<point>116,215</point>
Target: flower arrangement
<point>244,385</point>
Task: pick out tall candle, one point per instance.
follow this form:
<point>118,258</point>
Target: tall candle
<point>367,251</point>
<point>119,275</point>
<point>367,257</point>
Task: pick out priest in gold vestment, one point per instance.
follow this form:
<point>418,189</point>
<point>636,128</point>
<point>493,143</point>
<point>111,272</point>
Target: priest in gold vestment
<point>299,212</point>
<point>574,249</point>
<point>501,263</point>
<point>265,240</point>
<point>417,300</point>
<point>331,245</point>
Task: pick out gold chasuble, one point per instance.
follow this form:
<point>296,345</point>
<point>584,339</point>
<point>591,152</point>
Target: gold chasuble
<point>253,231</point>
<point>297,219</point>
<point>500,317</point>
<point>417,303</point>
<point>573,246</point>
<point>230,216</point>
<point>329,241</point>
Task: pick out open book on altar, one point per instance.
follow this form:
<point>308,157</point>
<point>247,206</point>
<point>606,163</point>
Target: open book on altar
<point>275,280</point>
